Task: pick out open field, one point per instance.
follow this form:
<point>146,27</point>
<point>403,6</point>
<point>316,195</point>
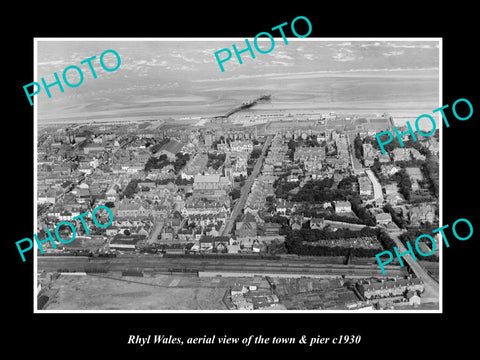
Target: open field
<point>160,292</point>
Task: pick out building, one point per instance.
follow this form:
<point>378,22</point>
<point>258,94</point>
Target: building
<point>396,288</point>
<point>365,186</point>
<point>389,169</point>
<point>317,223</point>
<point>211,186</point>
<point>131,209</point>
<point>283,206</point>
<point>342,207</point>
<point>383,218</point>
<point>401,154</point>
<point>247,227</point>
<point>93,148</point>
<point>421,214</point>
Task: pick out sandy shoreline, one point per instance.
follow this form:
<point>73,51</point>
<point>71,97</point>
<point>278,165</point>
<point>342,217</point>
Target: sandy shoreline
<point>118,116</point>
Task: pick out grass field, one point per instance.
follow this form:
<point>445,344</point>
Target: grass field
<point>155,292</point>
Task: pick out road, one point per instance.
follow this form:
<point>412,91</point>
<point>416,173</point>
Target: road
<point>245,190</point>
<point>156,231</point>
<point>431,286</point>
<point>377,188</point>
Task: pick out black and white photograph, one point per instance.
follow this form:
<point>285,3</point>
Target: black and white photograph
<point>262,187</point>
<point>298,181</point>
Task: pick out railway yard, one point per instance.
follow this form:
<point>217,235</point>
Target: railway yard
<point>249,267</point>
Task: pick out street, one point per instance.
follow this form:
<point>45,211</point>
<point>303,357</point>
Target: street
<point>431,286</point>
<point>245,190</point>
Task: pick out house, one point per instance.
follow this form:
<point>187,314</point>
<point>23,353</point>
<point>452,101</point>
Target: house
<point>82,195</point>
<point>186,235</point>
<point>317,223</point>
<point>391,189</point>
<point>111,194</point>
<point>383,218</point>
<point>131,209</point>
<point>220,243</point>
<point>238,290</point>
<point>282,206</point>
<point>398,287</point>
<point>394,199</point>
<point>401,154</point>
<point>93,148</point>
<point>414,299</point>
<point>433,146</point>
<point>422,214</point>
<point>206,242</point>
<point>342,207</point>
<point>85,168</point>
<point>198,206</point>
<point>365,185</point>
<point>296,222</point>
<point>220,247</point>
<point>416,154</point>
<point>48,197</point>
<point>167,233</point>
<point>414,173</point>
<point>369,154</point>
<point>271,229</point>
<point>389,170</point>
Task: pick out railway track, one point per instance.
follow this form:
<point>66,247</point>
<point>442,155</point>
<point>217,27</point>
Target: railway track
<point>158,264</point>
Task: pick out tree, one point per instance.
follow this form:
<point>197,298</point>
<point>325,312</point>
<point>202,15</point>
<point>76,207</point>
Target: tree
<point>385,240</point>
<point>430,170</point>
<point>254,155</point>
<point>376,167</point>
<point>235,194</point>
<point>358,145</point>
<point>397,219</point>
<point>362,213</point>
<point>404,183</point>
<point>347,183</point>
<point>180,161</point>
<point>131,188</point>
<point>180,181</point>
<point>216,160</point>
